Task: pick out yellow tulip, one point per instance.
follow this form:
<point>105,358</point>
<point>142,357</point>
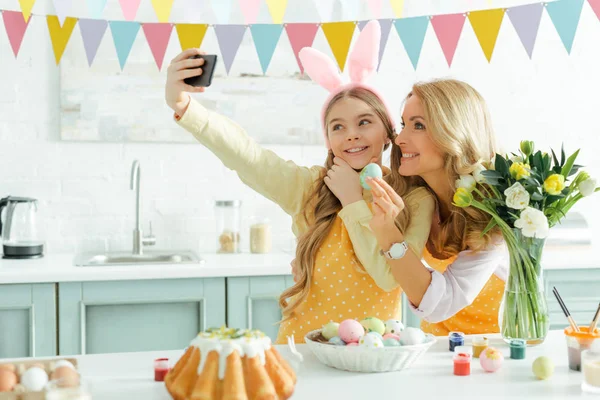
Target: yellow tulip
<point>554,184</point>
<point>519,170</point>
<point>462,197</point>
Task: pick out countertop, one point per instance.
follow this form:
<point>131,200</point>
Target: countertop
<point>61,268</point>
<point>128,376</point>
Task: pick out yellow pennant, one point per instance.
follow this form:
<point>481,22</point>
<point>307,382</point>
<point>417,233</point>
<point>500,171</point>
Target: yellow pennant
<point>162,8</point>
<point>191,35</point>
<point>339,36</point>
<point>486,24</point>
<point>398,7</point>
<point>60,35</point>
<point>26,7</point>
<point>277,10</point>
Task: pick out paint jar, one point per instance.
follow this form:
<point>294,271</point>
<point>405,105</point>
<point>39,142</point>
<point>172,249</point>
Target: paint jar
<point>462,360</point>
<point>455,339</point>
<point>578,342</point>
<point>480,343</point>
<point>517,349</point>
<point>161,367</point>
<point>590,366</point>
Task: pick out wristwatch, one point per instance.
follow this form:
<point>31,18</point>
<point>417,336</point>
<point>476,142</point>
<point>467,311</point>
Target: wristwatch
<point>396,251</point>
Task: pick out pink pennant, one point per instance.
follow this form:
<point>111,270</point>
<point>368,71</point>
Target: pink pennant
<point>375,6</point>
<point>301,35</point>
<point>250,9</point>
<point>130,8</point>
<point>15,25</point>
<point>595,4</point>
<point>158,35</point>
<point>448,29</point>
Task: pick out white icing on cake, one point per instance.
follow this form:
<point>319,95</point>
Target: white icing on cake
<point>224,341</point>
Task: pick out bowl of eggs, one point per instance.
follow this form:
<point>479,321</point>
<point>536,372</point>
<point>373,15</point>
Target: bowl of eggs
<point>369,345</point>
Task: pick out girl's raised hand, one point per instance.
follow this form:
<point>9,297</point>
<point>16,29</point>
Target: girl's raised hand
<point>176,89</point>
<point>387,204</point>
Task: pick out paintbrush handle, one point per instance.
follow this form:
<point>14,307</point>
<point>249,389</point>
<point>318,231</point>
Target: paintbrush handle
<point>595,320</point>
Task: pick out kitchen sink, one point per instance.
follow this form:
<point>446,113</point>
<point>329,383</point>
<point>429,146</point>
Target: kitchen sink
<point>127,258</point>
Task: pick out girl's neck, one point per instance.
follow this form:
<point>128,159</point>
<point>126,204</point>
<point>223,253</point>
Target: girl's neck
<point>440,184</point>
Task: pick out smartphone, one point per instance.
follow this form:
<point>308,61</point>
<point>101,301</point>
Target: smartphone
<point>208,69</point>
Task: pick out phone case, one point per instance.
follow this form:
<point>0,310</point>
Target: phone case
<point>208,69</point>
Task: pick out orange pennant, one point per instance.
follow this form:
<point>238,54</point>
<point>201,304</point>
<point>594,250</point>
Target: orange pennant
<point>60,35</point>
<point>191,35</point>
<point>339,36</point>
<point>486,24</point>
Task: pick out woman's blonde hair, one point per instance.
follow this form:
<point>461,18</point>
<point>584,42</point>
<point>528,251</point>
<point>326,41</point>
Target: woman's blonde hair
<point>322,206</point>
<point>460,126</point>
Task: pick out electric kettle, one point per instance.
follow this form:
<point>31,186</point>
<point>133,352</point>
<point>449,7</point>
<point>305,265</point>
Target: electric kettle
<point>19,229</point>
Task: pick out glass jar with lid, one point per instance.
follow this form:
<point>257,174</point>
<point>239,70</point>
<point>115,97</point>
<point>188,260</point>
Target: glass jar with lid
<point>260,235</point>
<point>228,217</point>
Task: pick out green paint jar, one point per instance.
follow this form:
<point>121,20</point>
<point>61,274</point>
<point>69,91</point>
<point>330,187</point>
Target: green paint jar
<point>517,349</point>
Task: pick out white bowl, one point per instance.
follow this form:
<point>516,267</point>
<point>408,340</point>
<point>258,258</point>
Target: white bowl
<point>363,359</point>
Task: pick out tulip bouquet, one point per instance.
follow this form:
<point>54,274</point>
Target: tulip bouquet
<point>525,194</point>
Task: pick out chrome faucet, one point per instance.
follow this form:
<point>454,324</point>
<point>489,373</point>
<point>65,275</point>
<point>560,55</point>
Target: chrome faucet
<point>139,241</point>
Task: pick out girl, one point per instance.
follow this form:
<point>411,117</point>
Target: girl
<point>339,277</point>
<point>446,132</point>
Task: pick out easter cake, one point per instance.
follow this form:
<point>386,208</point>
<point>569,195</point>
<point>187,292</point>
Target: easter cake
<point>229,363</point>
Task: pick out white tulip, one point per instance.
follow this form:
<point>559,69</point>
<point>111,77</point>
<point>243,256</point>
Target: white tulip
<point>587,187</point>
<point>467,182</point>
<point>517,196</point>
<point>533,223</point>
<point>477,173</point>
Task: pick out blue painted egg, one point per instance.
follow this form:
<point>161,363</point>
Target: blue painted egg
<point>371,170</point>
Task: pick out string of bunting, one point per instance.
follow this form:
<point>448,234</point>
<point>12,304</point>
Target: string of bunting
<point>565,15</point>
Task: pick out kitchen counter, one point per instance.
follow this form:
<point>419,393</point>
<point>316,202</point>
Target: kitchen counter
<point>121,376</point>
<point>60,267</point>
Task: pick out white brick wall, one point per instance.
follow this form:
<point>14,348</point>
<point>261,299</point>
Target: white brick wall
<point>84,190</point>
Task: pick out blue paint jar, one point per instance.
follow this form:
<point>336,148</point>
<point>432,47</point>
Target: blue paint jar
<point>517,349</point>
<point>456,339</point>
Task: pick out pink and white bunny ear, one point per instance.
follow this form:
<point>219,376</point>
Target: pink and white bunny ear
<point>320,68</point>
<point>364,57</point>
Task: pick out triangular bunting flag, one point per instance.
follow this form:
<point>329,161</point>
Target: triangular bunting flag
<point>222,10</point>
<point>266,37</point>
<point>339,36</point>
<point>158,35</point>
<point>595,4</point>
<point>229,38</point>
<point>397,7</point>
<point>92,32</point>
<point>96,7</point>
<point>526,21</point>
<point>162,8</point>
<point>62,8</point>
<point>124,34</point>
<point>412,33</point>
<point>60,35</point>
<point>386,27</point>
<point>565,16</point>
<point>250,9</point>
<point>375,6</point>
<point>301,35</point>
<point>277,10</point>
<point>130,8</point>
<point>191,35</point>
<point>15,26</point>
<point>448,28</point>
<point>26,7</point>
<point>486,25</point>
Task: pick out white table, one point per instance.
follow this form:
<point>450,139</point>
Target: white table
<point>130,376</point>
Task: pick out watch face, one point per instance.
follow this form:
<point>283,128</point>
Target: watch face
<point>397,250</point>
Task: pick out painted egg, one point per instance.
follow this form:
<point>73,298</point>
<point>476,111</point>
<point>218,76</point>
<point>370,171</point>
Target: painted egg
<point>330,330</point>
<point>34,379</point>
<point>394,326</point>
<point>370,341</point>
<point>370,170</point>
<point>491,359</point>
<point>337,341</point>
<point>543,367</point>
<point>8,380</point>
<point>411,336</point>
<point>391,342</point>
<point>350,330</point>
<point>391,336</point>
<point>372,324</point>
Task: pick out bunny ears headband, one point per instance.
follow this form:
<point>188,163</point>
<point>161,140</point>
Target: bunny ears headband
<point>362,63</point>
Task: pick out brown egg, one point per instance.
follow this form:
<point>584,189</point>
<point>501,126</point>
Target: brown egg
<point>8,380</point>
<point>66,376</point>
<point>9,367</point>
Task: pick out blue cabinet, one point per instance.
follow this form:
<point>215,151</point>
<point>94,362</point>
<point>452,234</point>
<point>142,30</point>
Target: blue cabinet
<point>28,320</point>
<point>139,315</point>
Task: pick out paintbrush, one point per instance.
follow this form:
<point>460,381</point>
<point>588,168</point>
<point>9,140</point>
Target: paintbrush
<point>595,320</point>
<point>565,310</point>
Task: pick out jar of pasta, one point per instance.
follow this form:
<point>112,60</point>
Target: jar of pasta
<point>228,217</point>
<point>260,235</point>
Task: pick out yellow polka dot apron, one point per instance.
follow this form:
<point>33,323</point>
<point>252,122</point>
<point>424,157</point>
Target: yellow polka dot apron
<point>479,317</point>
<point>341,289</point>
